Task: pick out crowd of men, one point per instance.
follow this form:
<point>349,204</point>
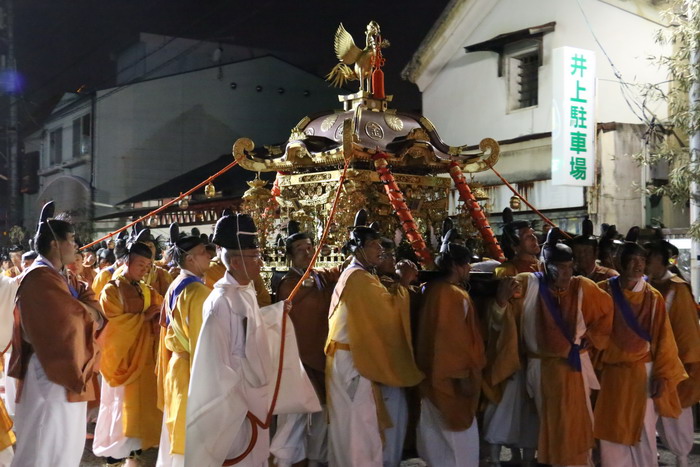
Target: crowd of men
<point>566,362</point>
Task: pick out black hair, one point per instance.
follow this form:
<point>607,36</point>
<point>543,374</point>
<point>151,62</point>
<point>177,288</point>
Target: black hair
<point>46,231</point>
<point>451,255</point>
<point>628,250</point>
<point>360,236</point>
<point>388,244</point>
<point>140,249</point>
<point>658,248</point>
<point>289,242</point>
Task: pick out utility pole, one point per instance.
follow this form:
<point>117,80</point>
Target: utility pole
<point>694,148</point>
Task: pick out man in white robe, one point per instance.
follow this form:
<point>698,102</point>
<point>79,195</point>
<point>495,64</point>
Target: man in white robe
<point>234,369</point>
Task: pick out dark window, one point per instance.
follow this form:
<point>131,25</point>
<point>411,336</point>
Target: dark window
<point>81,136</point>
<point>526,70</point>
<point>56,147</point>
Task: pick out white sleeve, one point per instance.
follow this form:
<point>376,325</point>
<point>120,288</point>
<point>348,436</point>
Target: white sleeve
<point>8,290</point>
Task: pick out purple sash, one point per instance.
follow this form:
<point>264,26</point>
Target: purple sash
<point>625,309</point>
<point>73,292</point>
<point>574,357</point>
<point>178,290</point>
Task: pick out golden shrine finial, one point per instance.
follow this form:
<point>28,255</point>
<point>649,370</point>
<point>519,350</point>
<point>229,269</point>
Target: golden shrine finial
<point>365,61</point>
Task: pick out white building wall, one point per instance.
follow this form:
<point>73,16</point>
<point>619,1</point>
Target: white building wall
<point>467,100</point>
<point>154,130</point>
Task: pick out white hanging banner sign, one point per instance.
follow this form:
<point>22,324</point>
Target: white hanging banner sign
<point>573,116</point>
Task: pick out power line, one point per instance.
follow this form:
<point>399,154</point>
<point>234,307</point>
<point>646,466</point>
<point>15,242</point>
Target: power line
<point>624,86</point>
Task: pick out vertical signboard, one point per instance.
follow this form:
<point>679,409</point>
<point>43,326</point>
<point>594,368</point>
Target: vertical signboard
<point>573,116</point>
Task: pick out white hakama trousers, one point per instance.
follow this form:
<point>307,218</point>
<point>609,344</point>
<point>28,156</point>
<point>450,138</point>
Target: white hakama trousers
<point>397,407</point>
<point>165,457</point>
<point>50,430</point>
<point>677,434</point>
<point>288,445</point>
<point>353,432</point>
<point>513,421</point>
<point>642,454</point>
<point>10,387</point>
<point>439,446</point>
<point>109,432</point>
<point>317,438</point>
<point>6,456</point>
<point>299,437</point>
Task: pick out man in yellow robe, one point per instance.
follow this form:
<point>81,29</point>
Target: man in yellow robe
<point>16,260</point>
<point>561,317</point>
<point>129,420</point>
<point>369,343</point>
<point>450,351</point>
<point>640,368</point>
<point>510,418</point>
<point>105,275</point>
<point>677,433</point>
<point>182,321</point>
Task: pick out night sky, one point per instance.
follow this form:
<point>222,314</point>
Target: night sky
<point>62,45</point>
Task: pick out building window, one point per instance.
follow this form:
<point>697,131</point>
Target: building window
<point>519,58</point>
<point>81,136</point>
<point>522,74</point>
<point>56,147</point>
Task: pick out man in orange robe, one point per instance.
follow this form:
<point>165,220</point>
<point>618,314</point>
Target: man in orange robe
<point>450,351</point>
<point>54,353</point>
<point>561,316</point>
<point>310,317</point>
<point>369,343</point>
<point>677,433</point>
<point>510,418</point>
<point>640,368</point>
<point>585,248</point>
<point>129,420</point>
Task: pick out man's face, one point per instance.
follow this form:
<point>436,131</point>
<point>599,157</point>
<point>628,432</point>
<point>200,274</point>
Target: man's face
<point>584,258</point>
<point>138,266</point>
<point>67,249</point>
<point>372,253</point>
<point>77,265</point>
<point>388,264</point>
<point>302,252</point>
<point>464,271</point>
<point>656,268</point>
<point>198,260</point>
<point>16,258</point>
<point>560,273</point>
<point>528,242</point>
<point>26,263</point>
<point>89,259</point>
<point>634,268</point>
<point>248,262</point>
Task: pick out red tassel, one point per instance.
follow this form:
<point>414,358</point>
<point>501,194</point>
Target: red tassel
<point>378,83</point>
